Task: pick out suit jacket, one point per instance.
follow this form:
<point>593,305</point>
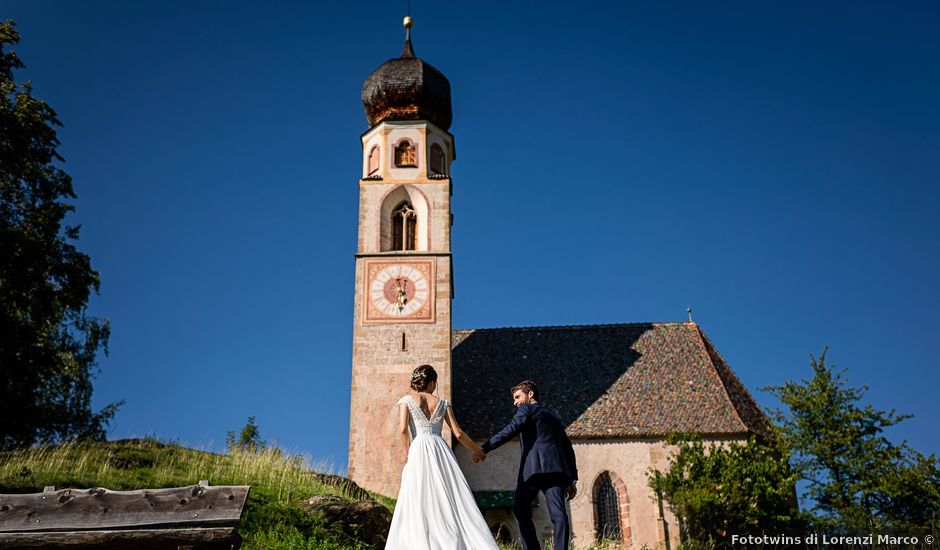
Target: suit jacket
<point>546,448</point>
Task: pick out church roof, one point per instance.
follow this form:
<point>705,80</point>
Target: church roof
<point>603,381</point>
<point>407,88</point>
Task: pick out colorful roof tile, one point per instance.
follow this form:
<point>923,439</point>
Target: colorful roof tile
<point>603,381</point>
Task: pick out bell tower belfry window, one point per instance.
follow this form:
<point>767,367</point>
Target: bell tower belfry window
<point>438,162</point>
<point>404,228</point>
<point>406,156</point>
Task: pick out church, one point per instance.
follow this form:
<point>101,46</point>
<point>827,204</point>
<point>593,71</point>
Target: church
<point>619,389</point>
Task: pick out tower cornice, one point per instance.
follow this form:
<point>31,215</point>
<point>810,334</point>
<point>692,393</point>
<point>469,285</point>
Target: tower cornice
<point>408,253</point>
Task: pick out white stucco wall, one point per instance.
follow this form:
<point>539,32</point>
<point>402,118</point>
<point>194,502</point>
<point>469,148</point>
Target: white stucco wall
<point>422,134</point>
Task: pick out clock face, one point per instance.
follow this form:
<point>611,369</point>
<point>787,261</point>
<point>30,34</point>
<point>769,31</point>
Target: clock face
<point>399,291</point>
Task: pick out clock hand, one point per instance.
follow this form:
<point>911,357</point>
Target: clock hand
<point>402,293</point>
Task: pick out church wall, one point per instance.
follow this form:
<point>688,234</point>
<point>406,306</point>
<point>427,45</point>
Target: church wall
<point>628,460</point>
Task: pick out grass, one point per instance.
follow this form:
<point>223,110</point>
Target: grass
<point>274,518</point>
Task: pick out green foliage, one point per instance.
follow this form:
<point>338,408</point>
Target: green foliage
<point>274,518</point>
<point>275,526</point>
<point>249,439</point>
<point>49,345</point>
<point>717,489</point>
<point>859,481</point>
<point>280,536</point>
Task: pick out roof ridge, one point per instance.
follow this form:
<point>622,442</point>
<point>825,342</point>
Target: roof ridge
<point>589,326</point>
<point>725,393</point>
<point>711,352</point>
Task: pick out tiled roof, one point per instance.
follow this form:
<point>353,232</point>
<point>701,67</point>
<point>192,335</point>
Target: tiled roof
<point>603,381</point>
<point>407,88</point>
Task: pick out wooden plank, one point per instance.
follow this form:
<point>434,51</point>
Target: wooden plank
<point>142,539</point>
<point>83,509</point>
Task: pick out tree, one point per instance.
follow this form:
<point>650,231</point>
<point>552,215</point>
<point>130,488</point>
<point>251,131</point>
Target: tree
<point>717,490</point>
<point>49,345</point>
<point>859,481</point>
<point>248,440</point>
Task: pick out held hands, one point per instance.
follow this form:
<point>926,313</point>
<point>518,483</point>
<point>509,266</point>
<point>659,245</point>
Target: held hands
<point>479,456</point>
<point>571,491</point>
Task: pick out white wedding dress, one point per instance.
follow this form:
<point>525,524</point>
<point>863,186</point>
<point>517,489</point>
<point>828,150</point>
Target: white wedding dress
<point>435,509</point>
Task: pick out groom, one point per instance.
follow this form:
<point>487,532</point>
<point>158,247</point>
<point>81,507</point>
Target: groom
<point>547,465</point>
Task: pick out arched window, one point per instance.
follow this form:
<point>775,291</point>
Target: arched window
<point>607,509</point>
<point>406,156</point>
<point>404,227</point>
<point>404,216</point>
<point>373,161</point>
<point>437,160</point>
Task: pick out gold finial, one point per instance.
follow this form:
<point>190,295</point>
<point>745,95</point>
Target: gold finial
<point>407,51</point>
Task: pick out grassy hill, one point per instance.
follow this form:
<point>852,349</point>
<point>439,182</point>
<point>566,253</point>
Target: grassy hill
<point>274,518</point>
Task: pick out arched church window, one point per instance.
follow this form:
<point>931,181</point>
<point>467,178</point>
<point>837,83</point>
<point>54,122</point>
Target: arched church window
<point>437,159</point>
<point>373,161</point>
<point>404,227</point>
<point>607,509</point>
<point>406,156</point>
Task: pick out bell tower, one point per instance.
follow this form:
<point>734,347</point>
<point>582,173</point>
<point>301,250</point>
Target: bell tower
<point>403,288</point>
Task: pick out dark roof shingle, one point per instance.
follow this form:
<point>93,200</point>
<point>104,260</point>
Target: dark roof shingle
<point>603,381</point>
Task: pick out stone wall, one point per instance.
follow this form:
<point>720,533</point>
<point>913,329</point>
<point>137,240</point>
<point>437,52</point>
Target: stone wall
<point>382,375</point>
<point>381,370</point>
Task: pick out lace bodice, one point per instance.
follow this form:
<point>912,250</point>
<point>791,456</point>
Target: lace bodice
<point>421,424</point>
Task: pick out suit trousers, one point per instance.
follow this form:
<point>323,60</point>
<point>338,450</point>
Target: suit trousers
<point>554,487</point>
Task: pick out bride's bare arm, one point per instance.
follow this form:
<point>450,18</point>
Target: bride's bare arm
<point>462,436</point>
<point>403,431</point>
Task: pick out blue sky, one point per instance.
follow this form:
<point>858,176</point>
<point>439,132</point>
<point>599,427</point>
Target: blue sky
<point>774,166</point>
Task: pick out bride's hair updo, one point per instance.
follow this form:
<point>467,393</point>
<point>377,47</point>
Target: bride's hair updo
<point>422,376</point>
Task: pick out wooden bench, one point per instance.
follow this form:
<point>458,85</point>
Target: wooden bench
<point>198,517</point>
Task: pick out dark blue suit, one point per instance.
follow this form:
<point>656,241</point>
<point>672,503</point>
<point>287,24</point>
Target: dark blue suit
<point>547,465</point>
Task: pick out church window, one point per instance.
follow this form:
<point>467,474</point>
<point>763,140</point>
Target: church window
<point>607,509</point>
<point>437,160</point>
<point>406,156</point>
<point>404,227</point>
<point>373,161</point>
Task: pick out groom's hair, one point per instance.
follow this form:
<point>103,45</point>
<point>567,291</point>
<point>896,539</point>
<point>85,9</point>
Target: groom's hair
<point>527,386</point>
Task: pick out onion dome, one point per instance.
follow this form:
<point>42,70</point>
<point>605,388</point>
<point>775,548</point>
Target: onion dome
<point>407,88</point>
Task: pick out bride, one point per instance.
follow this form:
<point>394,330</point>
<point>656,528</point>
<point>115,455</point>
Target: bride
<point>435,509</point>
